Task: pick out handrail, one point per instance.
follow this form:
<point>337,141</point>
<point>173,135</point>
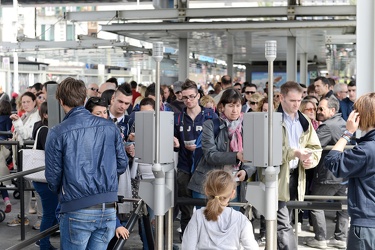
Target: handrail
<point>21,173</point>
<point>35,238</point>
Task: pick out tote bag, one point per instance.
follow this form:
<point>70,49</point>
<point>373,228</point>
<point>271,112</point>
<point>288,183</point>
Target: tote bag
<point>34,158</point>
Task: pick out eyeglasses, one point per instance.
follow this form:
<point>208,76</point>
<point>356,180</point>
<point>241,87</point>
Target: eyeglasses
<point>310,109</point>
<point>249,92</point>
<point>94,89</point>
<point>190,97</point>
<point>253,103</point>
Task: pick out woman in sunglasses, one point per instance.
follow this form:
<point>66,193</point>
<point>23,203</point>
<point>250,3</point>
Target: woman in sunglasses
<point>97,106</point>
<point>308,108</point>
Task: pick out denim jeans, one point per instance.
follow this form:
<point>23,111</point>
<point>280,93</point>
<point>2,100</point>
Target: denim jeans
<point>49,204</point>
<point>318,217</point>
<point>361,238</point>
<point>87,229</point>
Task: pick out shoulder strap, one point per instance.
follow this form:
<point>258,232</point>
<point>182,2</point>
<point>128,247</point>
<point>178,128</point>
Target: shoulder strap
<point>216,123</point>
<point>36,136</point>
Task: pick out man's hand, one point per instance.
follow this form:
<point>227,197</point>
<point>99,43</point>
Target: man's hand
<point>241,175</point>
<point>191,147</point>
<point>176,143</point>
<point>307,163</point>
<point>302,153</point>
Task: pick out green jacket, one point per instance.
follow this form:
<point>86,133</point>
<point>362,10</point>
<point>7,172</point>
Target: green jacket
<point>308,139</point>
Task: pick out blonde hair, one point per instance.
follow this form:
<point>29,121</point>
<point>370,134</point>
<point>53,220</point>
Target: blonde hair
<point>218,183</point>
<point>206,99</point>
<point>365,106</point>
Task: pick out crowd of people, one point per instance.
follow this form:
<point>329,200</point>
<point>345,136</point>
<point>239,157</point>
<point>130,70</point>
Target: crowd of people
<point>90,155</point>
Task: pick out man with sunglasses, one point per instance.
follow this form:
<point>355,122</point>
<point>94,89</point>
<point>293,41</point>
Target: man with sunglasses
<point>324,182</point>
<point>92,90</point>
<point>250,89</point>
<point>188,126</point>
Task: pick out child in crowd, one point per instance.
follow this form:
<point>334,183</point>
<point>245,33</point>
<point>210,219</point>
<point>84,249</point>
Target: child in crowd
<point>217,226</point>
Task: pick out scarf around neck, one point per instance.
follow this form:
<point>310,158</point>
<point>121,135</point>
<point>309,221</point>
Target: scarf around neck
<point>235,132</point>
<point>27,115</point>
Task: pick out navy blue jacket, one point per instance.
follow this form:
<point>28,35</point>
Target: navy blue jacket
<point>185,129</point>
<point>346,107</point>
<point>358,165</point>
<point>5,125</point>
<point>84,156</point>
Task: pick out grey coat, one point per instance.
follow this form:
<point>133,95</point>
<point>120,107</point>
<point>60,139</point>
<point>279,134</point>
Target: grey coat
<point>329,132</point>
<point>215,155</point>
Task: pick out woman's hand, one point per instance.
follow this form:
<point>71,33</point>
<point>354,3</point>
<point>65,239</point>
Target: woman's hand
<point>353,122</point>
<point>14,117</point>
<point>122,232</point>
<point>240,156</point>
<point>241,175</point>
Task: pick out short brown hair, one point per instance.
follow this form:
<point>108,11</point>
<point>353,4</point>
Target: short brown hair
<point>189,84</point>
<point>365,106</point>
<point>71,92</point>
<point>289,86</point>
<point>217,183</point>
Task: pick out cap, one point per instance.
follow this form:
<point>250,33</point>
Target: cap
<point>177,86</point>
<point>14,95</point>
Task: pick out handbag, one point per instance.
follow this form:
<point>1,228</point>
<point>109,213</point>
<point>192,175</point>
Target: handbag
<point>34,158</point>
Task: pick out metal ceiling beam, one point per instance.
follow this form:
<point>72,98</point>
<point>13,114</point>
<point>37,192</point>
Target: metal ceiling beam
<point>206,13</point>
<point>211,26</point>
<point>45,45</point>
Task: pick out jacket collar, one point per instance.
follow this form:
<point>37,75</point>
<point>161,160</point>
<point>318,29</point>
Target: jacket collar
<point>370,136</point>
<point>73,111</point>
<point>302,119</point>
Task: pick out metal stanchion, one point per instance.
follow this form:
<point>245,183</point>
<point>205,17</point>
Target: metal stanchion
<point>270,172</point>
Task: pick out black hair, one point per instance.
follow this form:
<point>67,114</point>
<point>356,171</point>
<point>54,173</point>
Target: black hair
<point>5,108</point>
<point>107,95</point>
<point>125,89</point>
<point>230,96</point>
<point>93,102</point>
<point>43,110</point>
<point>147,101</point>
<point>113,80</point>
<point>324,80</point>
<point>133,84</point>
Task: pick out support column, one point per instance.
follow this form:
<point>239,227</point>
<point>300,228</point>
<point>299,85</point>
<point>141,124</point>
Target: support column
<point>303,68</point>
<point>248,72</point>
<point>230,65</point>
<point>291,59</point>
<point>183,59</point>
<point>365,47</point>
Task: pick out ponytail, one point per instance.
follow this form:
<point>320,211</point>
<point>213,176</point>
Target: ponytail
<point>217,184</point>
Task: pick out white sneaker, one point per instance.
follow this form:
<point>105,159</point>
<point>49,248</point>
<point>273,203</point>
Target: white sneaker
<point>341,244</point>
<point>321,244</point>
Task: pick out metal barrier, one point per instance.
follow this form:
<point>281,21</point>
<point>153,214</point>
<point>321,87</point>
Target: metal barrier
<point>32,240</point>
<point>19,175</point>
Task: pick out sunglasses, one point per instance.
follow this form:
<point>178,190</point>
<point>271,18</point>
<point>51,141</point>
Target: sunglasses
<point>249,92</point>
<point>310,109</point>
<point>94,89</point>
<point>95,100</point>
<point>190,97</point>
<point>253,103</point>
